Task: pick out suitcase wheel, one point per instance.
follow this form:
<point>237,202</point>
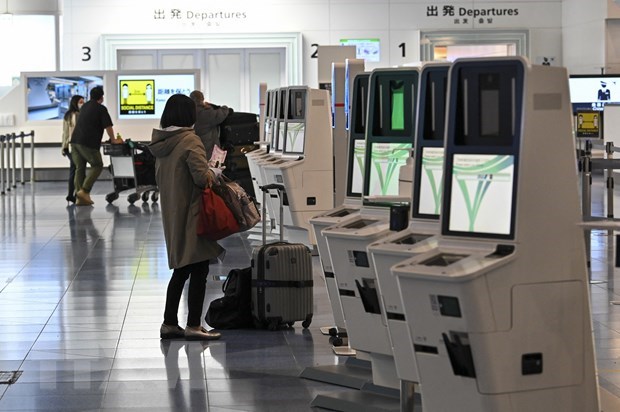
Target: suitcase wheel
<point>273,325</point>
<point>111,197</point>
<point>307,322</point>
<point>336,340</point>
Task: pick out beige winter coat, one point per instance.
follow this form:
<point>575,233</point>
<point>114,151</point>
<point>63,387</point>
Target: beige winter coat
<point>181,171</point>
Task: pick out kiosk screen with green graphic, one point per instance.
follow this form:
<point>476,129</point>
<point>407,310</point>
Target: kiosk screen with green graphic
<point>431,180</point>
<point>386,160</point>
<point>481,195</point>
<point>357,167</point>
<point>294,138</point>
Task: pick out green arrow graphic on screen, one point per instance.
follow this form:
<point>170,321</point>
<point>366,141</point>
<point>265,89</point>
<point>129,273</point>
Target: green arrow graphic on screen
<point>359,153</point>
<point>394,157</point>
<point>432,164</point>
<point>293,132</point>
<point>485,171</point>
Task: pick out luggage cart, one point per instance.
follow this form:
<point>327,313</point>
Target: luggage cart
<point>132,167</point>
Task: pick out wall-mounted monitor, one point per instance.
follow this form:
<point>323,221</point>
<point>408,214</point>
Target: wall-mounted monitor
<point>588,124</point>
<point>144,96</point>
<point>482,195</point>
<point>367,49</point>
<point>593,92</point>
<point>48,94</point>
<point>386,159</point>
<point>431,181</point>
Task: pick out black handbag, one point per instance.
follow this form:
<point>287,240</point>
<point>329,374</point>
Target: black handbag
<point>234,309</point>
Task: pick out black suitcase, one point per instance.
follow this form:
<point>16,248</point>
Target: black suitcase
<point>239,134</point>
<point>282,284</point>
<point>236,118</point>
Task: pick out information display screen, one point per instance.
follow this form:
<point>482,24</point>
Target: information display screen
<point>145,96</point>
<point>295,137</point>
<point>431,181</point>
<point>367,49</point>
<point>593,92</point>
<point>481,194</point>
<point>48,97</point>
<point>386,159</point>
<point>588,124</point>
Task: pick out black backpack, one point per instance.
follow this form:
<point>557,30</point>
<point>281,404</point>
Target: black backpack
<point>234,309</point>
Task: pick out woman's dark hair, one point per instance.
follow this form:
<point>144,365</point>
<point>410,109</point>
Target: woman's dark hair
<point>180,111</point>
<point>73,106</point>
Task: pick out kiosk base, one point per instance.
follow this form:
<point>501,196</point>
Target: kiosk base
<point>370,398</point>
<point>354,373</point>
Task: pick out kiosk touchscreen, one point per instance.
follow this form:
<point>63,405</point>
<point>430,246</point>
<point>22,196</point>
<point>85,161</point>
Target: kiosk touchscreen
<point>421,233</point>
<point>352,202</point>
<point>389,138</point>
<point>305,168</point>
<point>499,311</point>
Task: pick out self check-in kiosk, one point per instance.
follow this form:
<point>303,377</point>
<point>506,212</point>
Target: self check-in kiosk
<point>352,201</point>
<point>389,140</point>
<point>305,168</point>
<point>499,311</point>
<point>266,127</point>
<point>342,78</point>
<point>274,156</point>
<point>421,233</point>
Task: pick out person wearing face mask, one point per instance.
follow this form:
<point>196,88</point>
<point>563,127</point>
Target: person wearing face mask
<point>86,139</point>
<point>68,124</point>
<point>182,172</point>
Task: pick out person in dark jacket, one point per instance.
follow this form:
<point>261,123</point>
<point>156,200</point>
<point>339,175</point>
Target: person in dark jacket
<point>182,172</point>
<point>208,117</point>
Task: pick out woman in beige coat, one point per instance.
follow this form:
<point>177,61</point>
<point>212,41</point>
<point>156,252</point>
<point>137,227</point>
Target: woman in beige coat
<point>182,172</point>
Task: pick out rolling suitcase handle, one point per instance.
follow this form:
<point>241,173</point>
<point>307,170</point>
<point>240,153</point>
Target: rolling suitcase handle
<point>265,189</point>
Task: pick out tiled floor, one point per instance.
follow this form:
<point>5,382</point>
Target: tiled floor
<point>81,300</point>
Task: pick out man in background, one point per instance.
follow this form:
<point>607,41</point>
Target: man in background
<point>86,139</point>
<point>208,118</point>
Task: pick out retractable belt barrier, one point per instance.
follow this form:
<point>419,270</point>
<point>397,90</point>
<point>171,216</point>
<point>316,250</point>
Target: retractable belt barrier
<point>8,159</point>
<point>586,166</point>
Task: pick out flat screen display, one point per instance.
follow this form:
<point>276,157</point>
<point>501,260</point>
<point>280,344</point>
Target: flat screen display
<point>48,97</point>
<point>481,194</point>
<point>357,167</point>
<point>588,124</point>
<point>386,160</point>
<point>367,49</point>
<point>431,181</point>
<point>145,96</point>
<point>593,92</point>
<point>295,137</point>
